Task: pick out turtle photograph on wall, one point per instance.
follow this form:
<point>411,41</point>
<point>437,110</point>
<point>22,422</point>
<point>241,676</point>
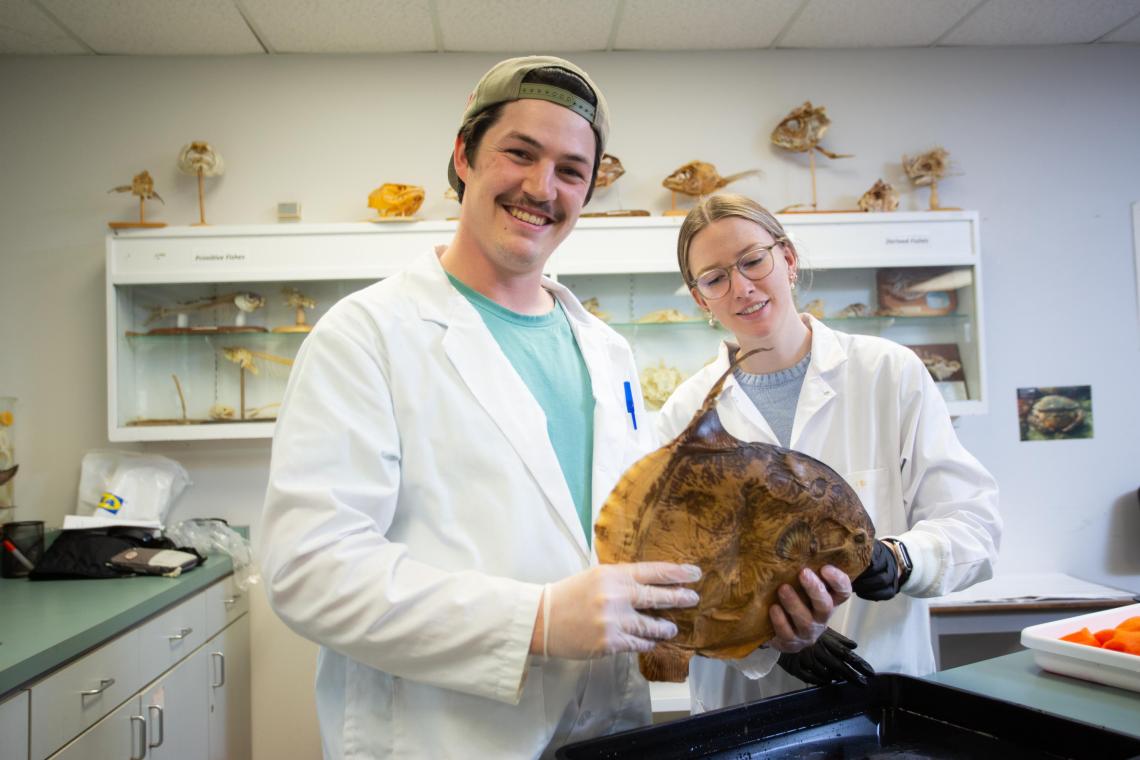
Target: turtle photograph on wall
<point>1048,414</point>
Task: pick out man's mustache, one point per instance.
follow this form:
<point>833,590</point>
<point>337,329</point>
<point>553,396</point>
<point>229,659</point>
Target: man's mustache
<point>546,207</point>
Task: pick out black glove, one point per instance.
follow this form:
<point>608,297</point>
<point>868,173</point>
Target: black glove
<point>830,658</point>
<point>880,581</point>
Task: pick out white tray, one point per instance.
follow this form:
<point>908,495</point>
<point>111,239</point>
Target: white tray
<point>1082,661</point>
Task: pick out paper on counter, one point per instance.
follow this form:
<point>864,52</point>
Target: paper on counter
<point>79,522</point>
<point>1029,587</point>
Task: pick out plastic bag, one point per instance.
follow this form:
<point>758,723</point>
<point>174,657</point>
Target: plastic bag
<point>214,535</point>
<point>129,486</point>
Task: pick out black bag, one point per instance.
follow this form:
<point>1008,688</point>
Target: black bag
<point>87,553</point>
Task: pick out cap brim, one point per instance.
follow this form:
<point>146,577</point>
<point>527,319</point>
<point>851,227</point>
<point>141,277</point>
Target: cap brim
<point>452,177</point>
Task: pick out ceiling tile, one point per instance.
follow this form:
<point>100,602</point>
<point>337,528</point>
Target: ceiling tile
<point>25,30</point>
<point>147,27</point>
<point>874,23</point>
<point>344,26</point>
<point>525,26</point>
<point>1041,22</point>
<point>1130,32</point>
<point>708,25</point>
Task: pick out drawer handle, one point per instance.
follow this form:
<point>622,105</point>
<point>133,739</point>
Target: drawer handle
<point>221,667</point>
<point>231,601</point>
<point>104,684</point>
<point>161,726</point>
<point>142,734</point>
<point>182,633</point>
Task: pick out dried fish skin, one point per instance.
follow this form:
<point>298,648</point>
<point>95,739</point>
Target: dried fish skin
<point>751,515</point>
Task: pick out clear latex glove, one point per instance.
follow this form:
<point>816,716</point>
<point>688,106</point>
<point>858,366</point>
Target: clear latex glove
<point>798,625</point>
<point>596,612</point>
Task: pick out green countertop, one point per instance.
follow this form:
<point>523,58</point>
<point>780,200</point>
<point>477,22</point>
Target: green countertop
<point>1017,678</point>
<point>45,624</point>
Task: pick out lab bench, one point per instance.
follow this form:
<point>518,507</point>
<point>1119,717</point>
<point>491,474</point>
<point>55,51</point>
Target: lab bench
<point>1017,678</point>
<point>126,667</point>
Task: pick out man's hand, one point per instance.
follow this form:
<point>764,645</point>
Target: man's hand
<point>596,612</point>
<point>797,625</point>
<point>880,581</point>
<point>830,658</point>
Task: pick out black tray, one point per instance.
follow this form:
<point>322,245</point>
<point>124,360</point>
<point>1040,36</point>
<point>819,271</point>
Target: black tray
<point>897,717</point>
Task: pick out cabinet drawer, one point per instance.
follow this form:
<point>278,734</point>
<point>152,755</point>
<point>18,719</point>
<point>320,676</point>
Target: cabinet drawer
<point>67,702</point>
<point>119,736</point>
<point>171,636</point>
<point>225,603</point>
<point>14,727</point>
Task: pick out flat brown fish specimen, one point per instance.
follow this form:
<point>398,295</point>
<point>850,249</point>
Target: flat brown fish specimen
<point>750,515</point>
<point>699,178</point>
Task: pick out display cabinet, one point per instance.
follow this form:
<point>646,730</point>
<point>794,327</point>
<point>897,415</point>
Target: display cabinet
<point>914,278</point>
<point>204,322</point>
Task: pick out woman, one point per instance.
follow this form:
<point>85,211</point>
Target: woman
<point>865,406</point>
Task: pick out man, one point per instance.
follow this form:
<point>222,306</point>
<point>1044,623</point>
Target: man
<point>443,443</point>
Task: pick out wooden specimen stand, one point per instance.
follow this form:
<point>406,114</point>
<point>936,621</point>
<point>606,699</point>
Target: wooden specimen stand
<point>201,202</point>
<point>141,223</point>
<point>673,210</point>
<point>301,326</point>
<point>934,198</point>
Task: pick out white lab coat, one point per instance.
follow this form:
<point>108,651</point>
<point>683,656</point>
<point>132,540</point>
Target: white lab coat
<point>415,509</point>
<point>869,409</point>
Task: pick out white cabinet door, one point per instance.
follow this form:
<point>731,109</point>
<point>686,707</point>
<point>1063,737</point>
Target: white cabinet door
<point>122,734</point>
<point>230,692</point>
<point>177,709</point>
<point>14,727</point>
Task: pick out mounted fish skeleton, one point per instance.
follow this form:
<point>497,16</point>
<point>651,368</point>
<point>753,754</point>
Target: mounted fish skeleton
<point>750,515</point>
<point>801,131</point>
<point>244,301</point>
<point>698,178</point>
<point>247,360</point>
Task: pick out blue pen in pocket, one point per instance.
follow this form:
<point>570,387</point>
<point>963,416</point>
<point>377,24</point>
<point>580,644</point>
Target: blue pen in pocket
<point>629,403</point>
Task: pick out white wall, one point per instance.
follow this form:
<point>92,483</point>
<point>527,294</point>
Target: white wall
<point>1044,140</point>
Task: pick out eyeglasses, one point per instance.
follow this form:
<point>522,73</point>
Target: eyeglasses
<point>756,264</point>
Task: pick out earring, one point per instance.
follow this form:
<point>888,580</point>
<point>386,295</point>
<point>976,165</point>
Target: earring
<point>793,279</point>
<point>712,319</point>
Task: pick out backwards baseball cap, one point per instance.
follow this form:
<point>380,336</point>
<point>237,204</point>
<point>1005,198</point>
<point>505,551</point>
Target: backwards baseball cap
<point>504,83</point>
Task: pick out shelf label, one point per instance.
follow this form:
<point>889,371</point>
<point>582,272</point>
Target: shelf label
<point>909,240</point>
<point>213,258</point>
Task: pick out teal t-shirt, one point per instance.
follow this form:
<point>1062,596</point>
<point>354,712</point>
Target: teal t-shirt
<point>543,351</point>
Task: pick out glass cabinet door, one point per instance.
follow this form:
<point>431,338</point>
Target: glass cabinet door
<point>207,354</point>
<point>670,337</point>
<point>928,309</point>
<point>931,310</point>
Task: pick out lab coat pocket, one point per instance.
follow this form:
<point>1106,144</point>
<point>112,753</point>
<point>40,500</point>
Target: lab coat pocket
<point>873,489</point>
